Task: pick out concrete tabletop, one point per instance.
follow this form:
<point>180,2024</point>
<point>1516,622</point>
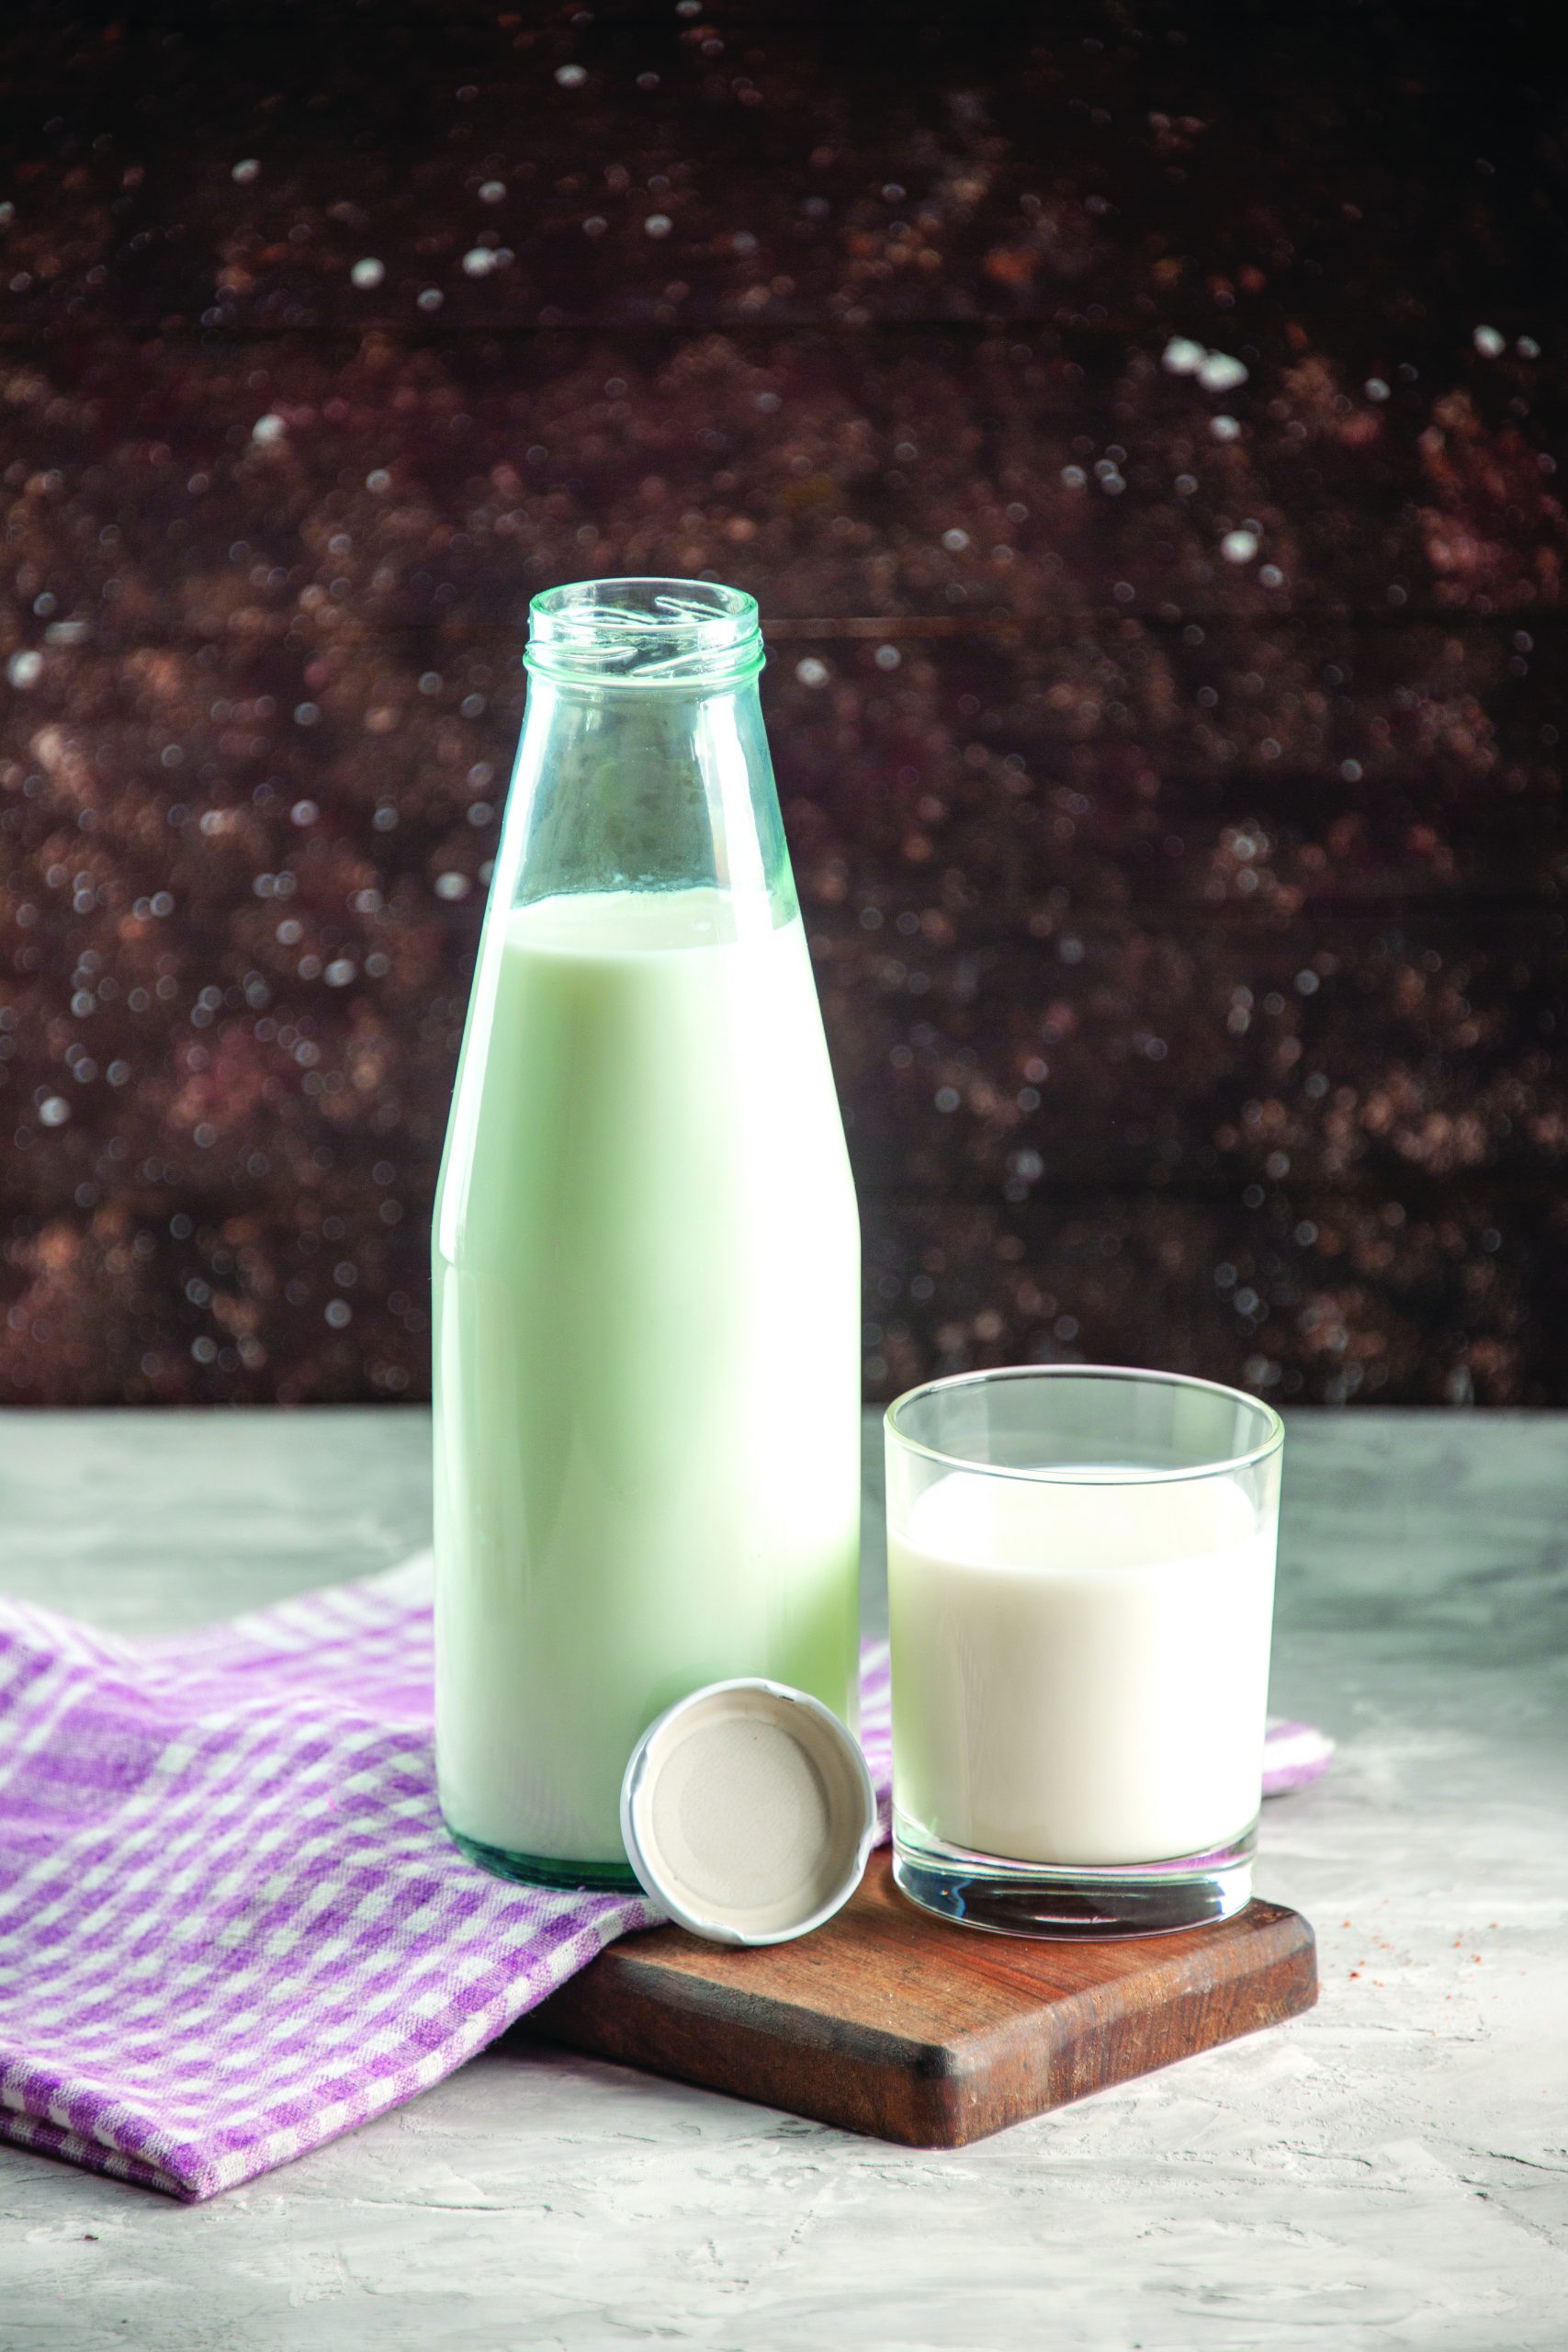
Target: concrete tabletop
<point>1390,2170</point>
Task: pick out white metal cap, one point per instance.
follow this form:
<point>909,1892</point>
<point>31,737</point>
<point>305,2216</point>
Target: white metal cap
<point>747,1812</point>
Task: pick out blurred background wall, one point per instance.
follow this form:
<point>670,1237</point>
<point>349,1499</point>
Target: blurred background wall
<point>1136,422</point>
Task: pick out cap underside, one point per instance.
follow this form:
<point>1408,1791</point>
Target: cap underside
<point>748,1812</point>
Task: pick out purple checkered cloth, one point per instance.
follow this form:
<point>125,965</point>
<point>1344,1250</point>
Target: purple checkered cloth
<point>231,1923</point>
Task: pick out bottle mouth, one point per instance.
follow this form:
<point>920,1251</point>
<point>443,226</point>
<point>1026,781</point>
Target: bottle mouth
<point>642,633</point>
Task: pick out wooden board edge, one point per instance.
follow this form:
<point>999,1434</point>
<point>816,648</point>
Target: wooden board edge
<point>715,2046</point>
<point>592,2004</point>
<point>1196,2016</point>
<point>1095,2038</point>
<point>921,2093</point>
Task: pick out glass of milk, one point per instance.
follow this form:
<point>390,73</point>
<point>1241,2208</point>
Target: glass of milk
<point>1080,1566</point>
<point>647,1253</point>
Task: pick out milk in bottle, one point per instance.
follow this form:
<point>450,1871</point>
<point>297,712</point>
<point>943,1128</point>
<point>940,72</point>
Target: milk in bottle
<point>646,1246</point>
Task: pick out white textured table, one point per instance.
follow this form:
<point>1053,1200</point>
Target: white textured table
<point>1388,2171</point>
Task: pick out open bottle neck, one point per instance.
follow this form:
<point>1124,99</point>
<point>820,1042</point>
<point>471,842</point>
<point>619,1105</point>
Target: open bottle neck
<point>644,761</point>
<point>644,637</point>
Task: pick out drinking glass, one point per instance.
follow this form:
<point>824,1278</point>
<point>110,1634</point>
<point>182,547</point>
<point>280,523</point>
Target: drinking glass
<point>1080,1585</point>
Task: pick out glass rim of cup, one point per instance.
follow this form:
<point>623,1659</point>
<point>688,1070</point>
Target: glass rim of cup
<point>1111,1473</point>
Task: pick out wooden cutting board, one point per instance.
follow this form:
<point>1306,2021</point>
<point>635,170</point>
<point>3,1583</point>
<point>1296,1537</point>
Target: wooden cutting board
<point>891,2022</point>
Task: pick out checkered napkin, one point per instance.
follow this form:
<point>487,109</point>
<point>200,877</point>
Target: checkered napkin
<point>231,1924</point>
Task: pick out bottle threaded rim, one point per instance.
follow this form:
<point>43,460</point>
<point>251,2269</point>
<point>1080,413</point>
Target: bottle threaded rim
<point>643,633</point>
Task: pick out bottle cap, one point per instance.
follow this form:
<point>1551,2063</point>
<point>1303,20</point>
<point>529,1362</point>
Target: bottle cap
<point>747,1812</point>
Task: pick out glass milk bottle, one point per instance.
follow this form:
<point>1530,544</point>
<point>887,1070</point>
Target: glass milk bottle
<point>646,1245</point>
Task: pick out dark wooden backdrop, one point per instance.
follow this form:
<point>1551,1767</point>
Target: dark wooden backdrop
<point>1137,424</point>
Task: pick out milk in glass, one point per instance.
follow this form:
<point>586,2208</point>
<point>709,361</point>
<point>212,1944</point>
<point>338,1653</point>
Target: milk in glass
<point>1080,1668</point>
